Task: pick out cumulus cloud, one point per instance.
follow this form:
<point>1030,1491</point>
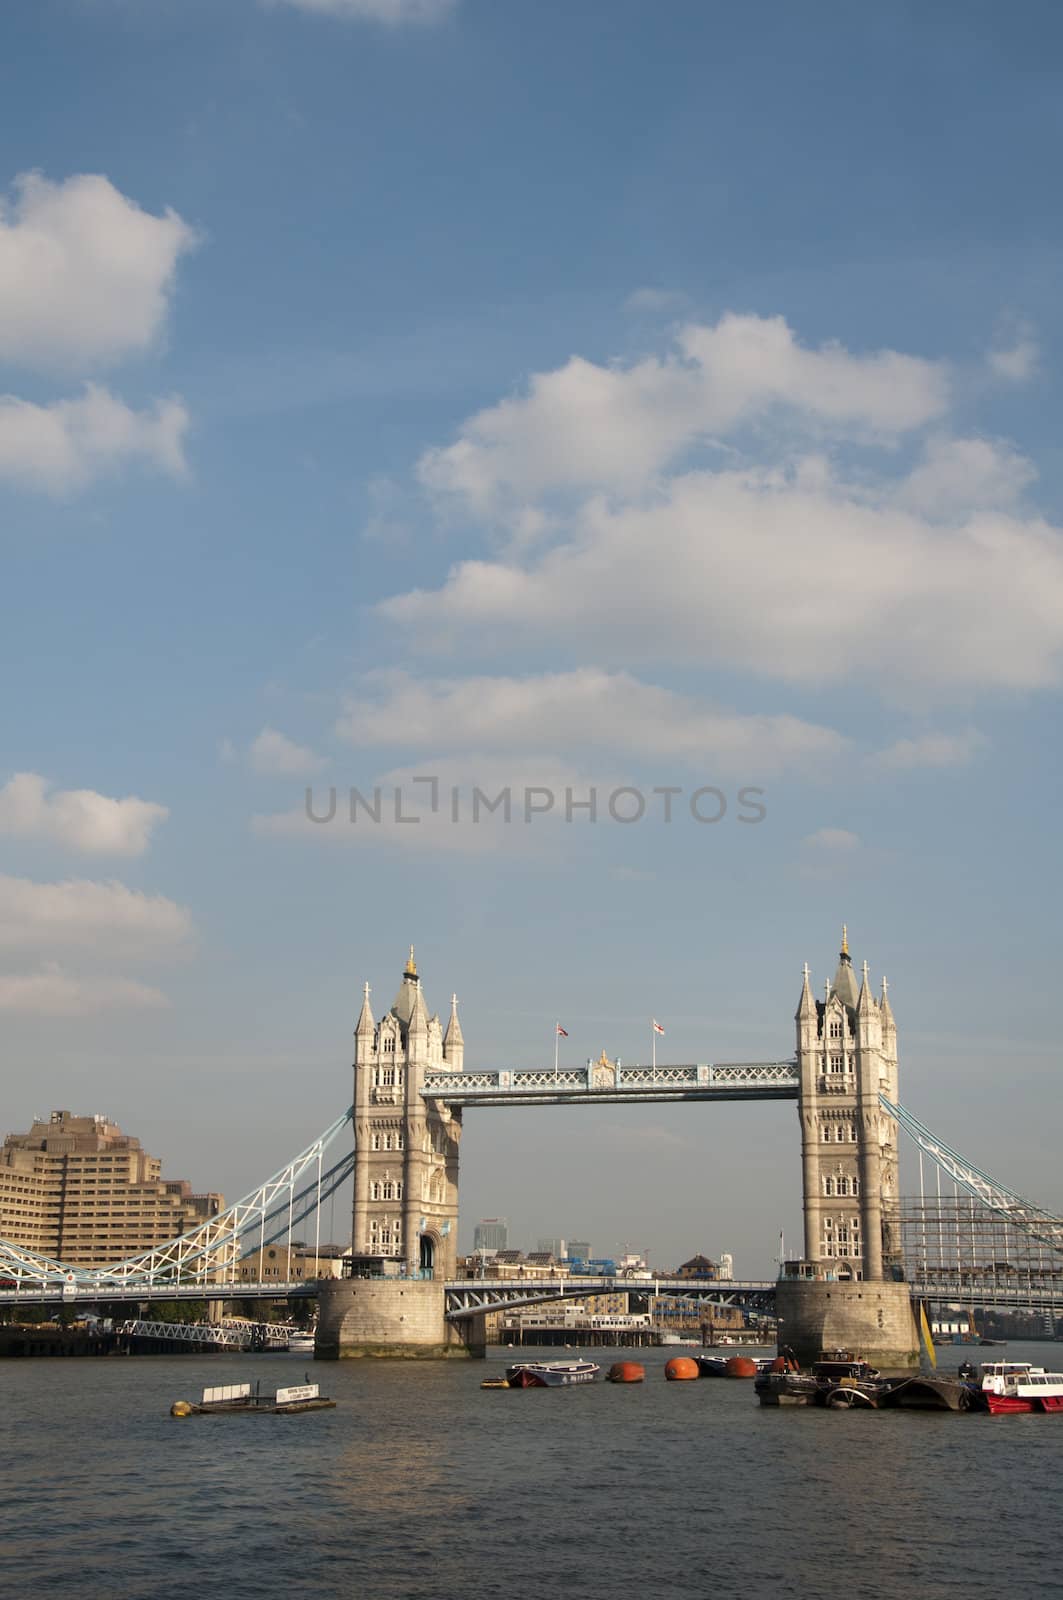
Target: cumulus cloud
<point>787,576</point>
<point>586,709</point>
<point>1015,355</point>
<point>105,918</point>
<point>933,750</point>
<point>65,446</point>
<point>274,755</point>
<point>55,993</point>
<point>392,13</point>
<point>615,427</point>
<point>86,275</point>
<point>77,819</point>
<point>957,475</point>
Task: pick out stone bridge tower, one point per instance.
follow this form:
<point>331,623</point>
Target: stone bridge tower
<point>848,1291</point>
<point>847,1055</point>
<point>406,1147</point>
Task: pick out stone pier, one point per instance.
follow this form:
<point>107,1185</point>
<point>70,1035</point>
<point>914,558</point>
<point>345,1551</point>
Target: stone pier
<point>872,1320</point>
<point>393,1317</point>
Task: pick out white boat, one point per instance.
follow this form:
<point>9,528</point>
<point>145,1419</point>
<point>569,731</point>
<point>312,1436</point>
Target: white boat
<point>302,1342</point>
<point>1016,1386</point>
<point>550,1374</point>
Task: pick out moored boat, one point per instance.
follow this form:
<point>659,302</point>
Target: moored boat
<point>302,1342</point>
<point>1008,1386</point>
<point>238,1397</point>
<point>840,1380</point>
<point>550,1374</point>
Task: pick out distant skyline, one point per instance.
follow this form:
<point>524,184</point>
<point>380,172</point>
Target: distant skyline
<point>647,411</point>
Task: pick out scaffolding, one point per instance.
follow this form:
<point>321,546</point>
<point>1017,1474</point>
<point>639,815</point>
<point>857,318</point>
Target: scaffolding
<point>968,1252</point>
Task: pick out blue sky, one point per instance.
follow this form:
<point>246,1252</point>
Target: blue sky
<point>552,396</point>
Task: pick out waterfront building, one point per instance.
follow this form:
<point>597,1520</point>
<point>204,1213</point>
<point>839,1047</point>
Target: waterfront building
<point>579,1250</point>
<point>492,1233</point>
<point>698,1267</point>
<point>292,1263</point>
<point>78,1189</point>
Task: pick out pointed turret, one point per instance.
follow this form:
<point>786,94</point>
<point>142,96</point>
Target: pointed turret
<point>408,990</point>
<point>418,1026</point>
<point>865,1004</point>
<point>884,1004</point>
<point>453,1040</point>
<point>366,1026</point>
<point>844,985</point>
<point>806,1006</point>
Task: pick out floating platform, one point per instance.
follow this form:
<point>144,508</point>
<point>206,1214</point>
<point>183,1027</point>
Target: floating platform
<point>226,1399</point>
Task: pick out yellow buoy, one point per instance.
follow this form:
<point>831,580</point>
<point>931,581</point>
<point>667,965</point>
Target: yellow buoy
<point>180,1408</point>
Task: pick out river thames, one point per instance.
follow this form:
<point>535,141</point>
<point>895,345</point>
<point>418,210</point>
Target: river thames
<point>422,1486</point>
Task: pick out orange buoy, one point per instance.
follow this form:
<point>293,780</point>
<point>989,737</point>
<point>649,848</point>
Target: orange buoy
<point>741,1367</point>
<point>625,1372</point>
<point>680,1368</point>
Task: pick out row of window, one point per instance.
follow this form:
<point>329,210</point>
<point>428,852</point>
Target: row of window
<point>385,1236</point>
<point>841,1184</point>
<point>387,1140</point>
<point>386,1189</point>
<point>838,1132</point>
<point>387,1077</point>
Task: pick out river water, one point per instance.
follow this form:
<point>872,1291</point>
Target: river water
<point>422,1486</point>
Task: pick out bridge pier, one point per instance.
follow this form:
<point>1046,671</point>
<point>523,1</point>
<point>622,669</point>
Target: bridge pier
<point>393,1317</point>
<point>873,1320</point>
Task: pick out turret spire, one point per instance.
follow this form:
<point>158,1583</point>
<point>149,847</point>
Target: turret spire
<point>411,966</point>
<point>365,1024</point>
<point>845,940</point>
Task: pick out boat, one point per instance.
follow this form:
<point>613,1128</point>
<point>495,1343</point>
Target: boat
<point>233,1397</point>
<point>838,1380</point>
<point>550,1374</point>
<point>302,1342</point>
<point>1008,1386</point>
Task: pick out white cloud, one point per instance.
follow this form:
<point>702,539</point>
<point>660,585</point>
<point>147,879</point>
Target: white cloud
<point>390,12</point>
<point>85,275</point>
<point>65,446</point>
<point>585,426</point>
<point>272,754</point>
<point>835,840</point>
<point>587,709</point>
<point>934,750</point>
<point>958,475</point>
<point>105,918</point>
<point>77,819</point>
<point>780,574</point>
<point>654,300</point>
<point>55,993</point>
<point>1016,354</point>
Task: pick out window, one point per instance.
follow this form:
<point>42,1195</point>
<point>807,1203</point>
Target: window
<point>374,1143</point>
<point>828,1186</point>
<point>837,1064</point>
<point>836,1028</point>
<point>828,1133</point>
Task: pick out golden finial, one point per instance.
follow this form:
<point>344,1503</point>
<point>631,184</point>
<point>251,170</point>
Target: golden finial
<point>411,965</point>
<point>845,942</point>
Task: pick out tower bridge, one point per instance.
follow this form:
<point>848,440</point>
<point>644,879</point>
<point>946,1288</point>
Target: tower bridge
<point>865,1252</point>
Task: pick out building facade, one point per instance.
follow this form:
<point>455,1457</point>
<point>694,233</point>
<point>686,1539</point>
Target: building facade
<point>406,1147</point>
<point>79,1190</point>
<point>490,1234</point>
<point>847,1055</point>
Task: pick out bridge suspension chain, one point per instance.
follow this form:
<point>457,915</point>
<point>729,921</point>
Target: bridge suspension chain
<point>1030,1219</point>
<point>212,1248</point>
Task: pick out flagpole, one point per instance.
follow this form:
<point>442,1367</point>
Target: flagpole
<point>557,1044</point>
<point>653,1045</point>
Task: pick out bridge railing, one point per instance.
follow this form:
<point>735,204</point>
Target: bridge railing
<point>614,1079</point>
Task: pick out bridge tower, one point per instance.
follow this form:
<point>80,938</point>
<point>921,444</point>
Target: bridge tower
<point>847,1057</point>
<point>406,1148</point>
<point>405,1214</point>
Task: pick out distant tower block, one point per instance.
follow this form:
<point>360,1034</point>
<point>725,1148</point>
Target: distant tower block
<point>406,1147</point>
<point>847,1055</point>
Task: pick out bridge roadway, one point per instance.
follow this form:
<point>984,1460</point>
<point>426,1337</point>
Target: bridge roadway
<point>468,1297</point>
<point>610,1083</point>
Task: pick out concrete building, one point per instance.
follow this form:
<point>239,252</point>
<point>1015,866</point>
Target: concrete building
<point>579,1250</point>
<point>294,1263</point>
<point>492,1233</point>
<point>80,1190</point>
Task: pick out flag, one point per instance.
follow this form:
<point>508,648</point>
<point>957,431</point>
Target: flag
<point>928,1338</point>
<point>562,1031</point>
<point>657,1026</point>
